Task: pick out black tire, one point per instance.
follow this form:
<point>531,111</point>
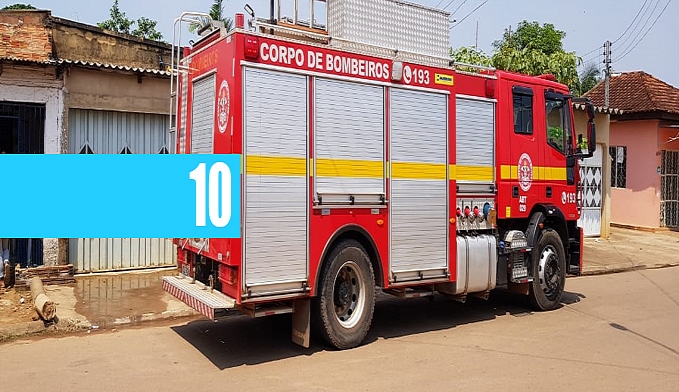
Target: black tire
<point>549,271</point>
<point>347,270</point>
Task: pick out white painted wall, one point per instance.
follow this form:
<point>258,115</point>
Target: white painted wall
<point>39,85</point>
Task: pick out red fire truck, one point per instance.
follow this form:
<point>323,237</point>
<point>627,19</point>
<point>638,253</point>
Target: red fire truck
<point>372,160</point>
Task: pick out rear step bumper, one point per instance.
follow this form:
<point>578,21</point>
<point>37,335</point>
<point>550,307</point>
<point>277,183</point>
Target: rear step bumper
<point>211,303</point>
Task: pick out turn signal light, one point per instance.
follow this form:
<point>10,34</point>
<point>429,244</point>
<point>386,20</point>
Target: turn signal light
<point>380,222</point>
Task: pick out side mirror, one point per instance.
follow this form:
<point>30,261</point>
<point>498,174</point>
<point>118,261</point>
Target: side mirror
<point>589,108</point>
<point>591,138</point>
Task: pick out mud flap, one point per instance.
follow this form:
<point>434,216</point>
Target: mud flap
<point>301,322</point>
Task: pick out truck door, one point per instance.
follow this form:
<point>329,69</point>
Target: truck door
<point>558,138</point>
<point>525,157</point>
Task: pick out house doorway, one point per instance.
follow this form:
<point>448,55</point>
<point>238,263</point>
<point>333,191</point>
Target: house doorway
<point>22,131</point>
<point>669,189</point>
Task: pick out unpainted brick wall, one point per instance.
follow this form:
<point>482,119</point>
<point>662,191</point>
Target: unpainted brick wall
<point>25,35</point>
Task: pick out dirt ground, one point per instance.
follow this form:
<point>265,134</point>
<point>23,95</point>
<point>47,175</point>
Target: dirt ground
<point>12,311</point>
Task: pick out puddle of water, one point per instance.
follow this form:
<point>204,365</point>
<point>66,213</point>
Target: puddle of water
<point>102,299</point>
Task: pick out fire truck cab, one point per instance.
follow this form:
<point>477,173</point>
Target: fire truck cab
<point>372,160</point>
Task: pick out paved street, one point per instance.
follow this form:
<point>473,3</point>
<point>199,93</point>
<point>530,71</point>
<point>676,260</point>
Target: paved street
<point>615,332</point>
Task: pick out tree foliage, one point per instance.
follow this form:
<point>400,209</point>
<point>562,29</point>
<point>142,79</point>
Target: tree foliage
<point>18,7</point>
<point>589,77</point>
<point>216,13</point>
<point>146,28</point>
<point>120,23</point>
<point>531,36</point>
<point>532,49</point>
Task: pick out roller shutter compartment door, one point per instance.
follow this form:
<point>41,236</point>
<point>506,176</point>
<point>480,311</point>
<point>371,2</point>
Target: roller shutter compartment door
<point>276,181</point>
<point>419,190</point>
<point>203,115</point>
<point>349,141</point>
<point>475,144</point>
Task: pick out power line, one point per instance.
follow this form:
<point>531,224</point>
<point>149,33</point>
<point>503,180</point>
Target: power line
<point>591,51</point>
<point>637,24</point>
<point>438,4</point>
<point>470,14</point>
<point>447,5</point>
<point>458,7</point>
<point>632,22</point>
<point>647,31</point>
<point>621,35</point>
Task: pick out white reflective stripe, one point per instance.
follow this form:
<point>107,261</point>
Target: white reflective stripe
<point>275,127</point>
<point>203,115</point>
<point>419,225</point>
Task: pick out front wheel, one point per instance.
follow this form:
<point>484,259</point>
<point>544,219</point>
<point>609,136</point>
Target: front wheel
<point>346,302</point>
<point>549,271</point>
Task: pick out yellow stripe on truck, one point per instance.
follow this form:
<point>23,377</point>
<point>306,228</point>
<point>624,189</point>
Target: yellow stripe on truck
<point>349,168</point>
<point>474,173</point>
<point>540,173</point>
<point>276,166</point>
<point>418,171</point>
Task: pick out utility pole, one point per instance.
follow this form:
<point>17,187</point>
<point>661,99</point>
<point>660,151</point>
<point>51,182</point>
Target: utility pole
<point>607,69</point>
<point>477,35</point>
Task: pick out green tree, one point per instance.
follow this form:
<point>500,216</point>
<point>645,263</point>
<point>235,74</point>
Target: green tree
<point>146,28</point>
<point>216,13</point>
<point>471,55</point>
<point>589,77</point>
<point>120,23</point>
<point>18,7</point>
<point>531,49</point>
<point>534,50</point>
<point>530,35</point>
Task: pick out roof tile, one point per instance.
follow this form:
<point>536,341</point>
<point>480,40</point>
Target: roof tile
<point>637,92</point>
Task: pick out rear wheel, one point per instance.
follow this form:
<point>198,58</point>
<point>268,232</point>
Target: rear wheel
<point>549,271</point>
<point>346,301</point>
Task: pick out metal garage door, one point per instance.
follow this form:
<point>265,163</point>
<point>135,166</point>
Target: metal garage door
<point>591,174</point>
<point>108,132</point>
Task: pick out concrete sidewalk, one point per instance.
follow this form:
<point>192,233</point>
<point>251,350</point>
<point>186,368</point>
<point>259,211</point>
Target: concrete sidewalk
<point>109,301</point>
<point>630,250</point>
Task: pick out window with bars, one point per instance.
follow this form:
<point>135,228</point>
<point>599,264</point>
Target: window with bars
<point>618,166</point>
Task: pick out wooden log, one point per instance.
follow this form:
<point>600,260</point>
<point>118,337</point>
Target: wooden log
<point>43,305</point>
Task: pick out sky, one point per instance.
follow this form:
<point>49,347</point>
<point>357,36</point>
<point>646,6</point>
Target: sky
<point>587,24</point>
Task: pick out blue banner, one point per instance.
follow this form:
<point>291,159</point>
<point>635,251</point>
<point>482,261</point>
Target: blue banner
<point>120,196</point>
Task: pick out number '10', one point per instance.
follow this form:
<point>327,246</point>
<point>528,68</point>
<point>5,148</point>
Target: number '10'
<point>215,201</point>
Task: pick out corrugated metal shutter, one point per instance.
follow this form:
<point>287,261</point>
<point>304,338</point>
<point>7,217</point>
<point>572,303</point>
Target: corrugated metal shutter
<point>110,254</point>
<point>108,132</point>
<point>276,204</point>
<point>475,142</point>
<point>203,115</point>
<point>349,126</point>
<point>419,192</point>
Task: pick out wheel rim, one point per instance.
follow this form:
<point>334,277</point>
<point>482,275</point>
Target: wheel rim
<point>349,294</point>
<point>549,272</point>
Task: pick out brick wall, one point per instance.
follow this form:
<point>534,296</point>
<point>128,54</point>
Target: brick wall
<point>25,35</point>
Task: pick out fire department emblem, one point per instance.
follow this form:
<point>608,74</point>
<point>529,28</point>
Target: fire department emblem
<point>223,106</point>
<point>525,172</point>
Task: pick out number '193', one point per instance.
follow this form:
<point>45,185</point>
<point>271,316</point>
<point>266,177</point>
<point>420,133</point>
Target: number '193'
<point>219,205</point>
